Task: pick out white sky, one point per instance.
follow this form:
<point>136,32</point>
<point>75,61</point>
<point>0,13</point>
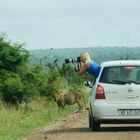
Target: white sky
<point>71,23</point>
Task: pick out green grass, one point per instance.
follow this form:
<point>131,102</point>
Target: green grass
<point>17,124</point>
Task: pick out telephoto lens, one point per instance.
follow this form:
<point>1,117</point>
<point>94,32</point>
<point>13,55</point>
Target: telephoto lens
<point>73,60</point>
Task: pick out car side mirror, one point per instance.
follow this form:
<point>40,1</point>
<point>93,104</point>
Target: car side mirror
<point>88,84</point>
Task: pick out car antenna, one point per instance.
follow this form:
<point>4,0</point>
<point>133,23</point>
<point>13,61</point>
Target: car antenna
<point>127,55</point>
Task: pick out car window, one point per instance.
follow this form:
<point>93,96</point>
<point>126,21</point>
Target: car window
<point>120,75</point>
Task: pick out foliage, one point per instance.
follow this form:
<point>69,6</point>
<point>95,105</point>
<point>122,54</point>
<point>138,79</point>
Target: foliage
<point>13,89</point>
<point>71,76</point>
<point>36,80</point>
<point>55,80</point>
<point>19,81</point>
<point>29,117</point>
<point>22,81</point>
<point>63,79</point>
<point>12,55</point>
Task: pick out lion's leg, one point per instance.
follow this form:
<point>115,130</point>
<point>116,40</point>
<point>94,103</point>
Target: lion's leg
<point>80,105</point>
<point>63,107</point>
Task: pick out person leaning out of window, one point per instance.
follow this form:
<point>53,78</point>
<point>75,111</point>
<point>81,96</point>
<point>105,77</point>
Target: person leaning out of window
<point>88,65</point>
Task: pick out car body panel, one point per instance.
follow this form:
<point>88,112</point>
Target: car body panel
<point>122,101</point>
<point>128,93</point>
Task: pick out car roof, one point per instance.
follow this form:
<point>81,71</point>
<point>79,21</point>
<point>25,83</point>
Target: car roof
<point>120,63</point>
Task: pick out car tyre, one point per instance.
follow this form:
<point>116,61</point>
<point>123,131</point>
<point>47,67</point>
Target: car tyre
<point>89,118</point>
<point>95,126</point>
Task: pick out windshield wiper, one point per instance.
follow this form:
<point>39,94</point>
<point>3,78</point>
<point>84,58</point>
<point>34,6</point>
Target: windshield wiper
<point>131,81</point>
<point>125,82</point>
<point>119,82</point>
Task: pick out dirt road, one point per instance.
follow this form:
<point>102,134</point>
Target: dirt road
<point>75,127</point>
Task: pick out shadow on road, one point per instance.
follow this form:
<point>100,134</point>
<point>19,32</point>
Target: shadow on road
<point>120,129</point>
<point>68,130</point>
<point>86,129</point>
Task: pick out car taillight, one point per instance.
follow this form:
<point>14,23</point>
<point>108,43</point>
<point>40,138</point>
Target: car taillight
<point>100,92</point>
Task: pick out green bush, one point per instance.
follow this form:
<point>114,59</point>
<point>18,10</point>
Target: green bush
<point>36,79</point>
<point>13,90</point>
<point>21,81</point>
<point>12,55</point>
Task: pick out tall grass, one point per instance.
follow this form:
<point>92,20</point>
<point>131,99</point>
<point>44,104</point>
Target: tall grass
<point>17,124</point>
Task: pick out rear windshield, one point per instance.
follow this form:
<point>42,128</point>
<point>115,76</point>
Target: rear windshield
<point>120,75</point>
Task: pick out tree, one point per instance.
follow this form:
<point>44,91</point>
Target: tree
<point>12,55</point>
<point>19,80</point>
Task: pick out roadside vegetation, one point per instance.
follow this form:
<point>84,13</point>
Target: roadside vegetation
<point>27,84</point>
<point>18,124</point>
<point>26,90</point>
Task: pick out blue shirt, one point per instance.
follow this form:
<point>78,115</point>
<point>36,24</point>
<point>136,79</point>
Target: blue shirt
<point>94,69</point>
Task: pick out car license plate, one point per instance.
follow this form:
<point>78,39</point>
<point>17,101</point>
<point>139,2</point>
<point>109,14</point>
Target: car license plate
<point>129,112</point>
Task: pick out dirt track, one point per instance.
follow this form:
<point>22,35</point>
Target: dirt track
<point>75,127</point>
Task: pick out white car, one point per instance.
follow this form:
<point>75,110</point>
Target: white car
<point>115,97</point>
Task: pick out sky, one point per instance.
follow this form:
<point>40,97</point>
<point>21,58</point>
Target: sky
<point>44,24</point>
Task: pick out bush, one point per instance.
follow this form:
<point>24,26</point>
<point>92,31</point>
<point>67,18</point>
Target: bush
<point>21,81</point>
<point>13,90</point>
<point>12,55</point>
<point>36,79</point>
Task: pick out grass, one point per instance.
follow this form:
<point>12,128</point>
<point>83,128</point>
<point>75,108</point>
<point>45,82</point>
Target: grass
<point>17,124</point>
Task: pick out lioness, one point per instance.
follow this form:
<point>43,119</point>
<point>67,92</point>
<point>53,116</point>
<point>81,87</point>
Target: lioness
<point>63,99</point>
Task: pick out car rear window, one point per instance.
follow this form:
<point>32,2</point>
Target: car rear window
<point>120,75</point>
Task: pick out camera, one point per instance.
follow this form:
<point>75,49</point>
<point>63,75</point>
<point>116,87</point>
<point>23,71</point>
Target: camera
<point>76,61</point>
<point>73,60</point>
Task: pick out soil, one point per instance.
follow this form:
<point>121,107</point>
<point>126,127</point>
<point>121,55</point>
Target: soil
<point>75,127</point>
<point>75,122</point>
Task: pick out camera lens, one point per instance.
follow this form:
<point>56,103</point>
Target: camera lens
<point>67,61</point>
<point>73,60</point>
